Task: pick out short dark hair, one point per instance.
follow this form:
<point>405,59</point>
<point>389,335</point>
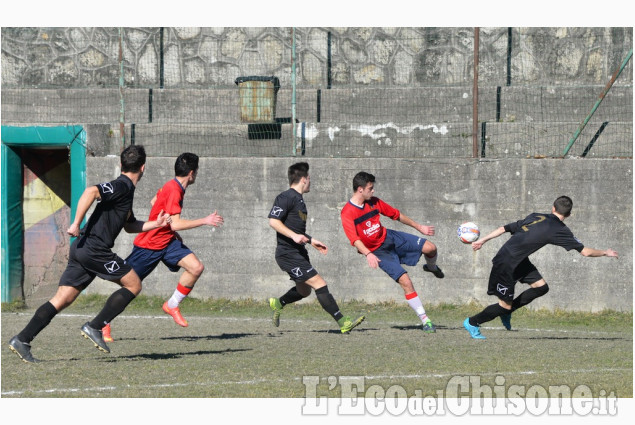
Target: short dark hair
<point>563,205</point>
<point>132,158</point>
<point>297,171</point>
<point>361,179</point>
<point>185,163</point>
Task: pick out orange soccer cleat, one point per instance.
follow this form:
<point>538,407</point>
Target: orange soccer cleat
<point>176,314</point>
<point>105,333</point>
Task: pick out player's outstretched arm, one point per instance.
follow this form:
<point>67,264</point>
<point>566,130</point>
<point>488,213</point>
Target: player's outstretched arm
<point>424,230</point>
<point>83,205</point>
<point>496,233</point>
<point>590,252</point>
<point>214,219</point>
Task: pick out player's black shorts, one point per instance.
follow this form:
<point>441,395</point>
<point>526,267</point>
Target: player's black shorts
<point>297,264</point>
<point>503,278</point>
<point>85,263</point>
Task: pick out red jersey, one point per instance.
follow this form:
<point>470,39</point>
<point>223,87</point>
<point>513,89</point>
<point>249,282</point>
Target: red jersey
<point>362,223</point>
<point>170,200</point>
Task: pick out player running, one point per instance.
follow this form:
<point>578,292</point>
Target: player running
<point>511,264</point>
<point>90,254</point>
<point>387,248</point>
<point>165,244</point>
<point>288,218</point>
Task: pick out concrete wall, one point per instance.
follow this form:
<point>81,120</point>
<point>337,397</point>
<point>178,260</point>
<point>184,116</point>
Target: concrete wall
<point>240,256</point>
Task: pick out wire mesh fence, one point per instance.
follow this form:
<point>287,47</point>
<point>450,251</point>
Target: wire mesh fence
<point>338,92</point>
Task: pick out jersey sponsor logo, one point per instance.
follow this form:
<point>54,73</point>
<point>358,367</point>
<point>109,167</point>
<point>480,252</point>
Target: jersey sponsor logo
<point>276,211</point>
<point>372,228</point>
<point>106,188</point>
<point>501,289</point>
<point>111,267</point>
<point>296,272</point>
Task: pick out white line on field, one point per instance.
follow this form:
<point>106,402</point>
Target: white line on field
<point>268,380</point>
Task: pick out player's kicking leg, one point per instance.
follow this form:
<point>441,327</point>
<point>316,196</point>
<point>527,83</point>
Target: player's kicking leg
<point>193,270</point>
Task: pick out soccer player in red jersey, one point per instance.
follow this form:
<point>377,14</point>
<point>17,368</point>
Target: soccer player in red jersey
<point>165,244</point>
<point>388,248</point>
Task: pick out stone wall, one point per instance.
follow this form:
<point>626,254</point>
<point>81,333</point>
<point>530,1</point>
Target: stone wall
<point>206,57</point>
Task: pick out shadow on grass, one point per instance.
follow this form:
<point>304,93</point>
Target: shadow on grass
<point>208,337</point>
<point>170,356</point>
<point>418,327</point>
<point>318,331</point>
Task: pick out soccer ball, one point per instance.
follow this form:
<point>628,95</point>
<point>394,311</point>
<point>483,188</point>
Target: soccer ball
<point>468,232</point>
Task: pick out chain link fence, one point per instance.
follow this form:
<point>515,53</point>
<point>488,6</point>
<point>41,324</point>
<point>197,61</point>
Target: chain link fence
<point>338,92</point>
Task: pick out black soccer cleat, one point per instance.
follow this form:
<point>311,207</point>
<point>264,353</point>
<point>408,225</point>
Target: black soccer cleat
<point>438,272</point>
<point>95,336</point>
<point>22,350</point>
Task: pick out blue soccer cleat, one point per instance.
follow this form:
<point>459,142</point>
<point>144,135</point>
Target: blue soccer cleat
<point>475,331</point>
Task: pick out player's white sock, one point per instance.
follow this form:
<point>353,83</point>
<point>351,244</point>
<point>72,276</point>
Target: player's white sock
<point>179,295</point>
<point>431,261</point>
<point>415,303</point>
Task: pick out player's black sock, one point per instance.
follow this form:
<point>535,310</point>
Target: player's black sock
<point>42,317</point>
<point>328,302</point>
<point>528,296</point>
<point>115,304</point>
<point>490,312</point>
<point>291,296</point>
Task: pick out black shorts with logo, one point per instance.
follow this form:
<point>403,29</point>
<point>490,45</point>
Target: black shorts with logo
<point>503,278</point>
<point>297,264</point>
<point>85,263</point>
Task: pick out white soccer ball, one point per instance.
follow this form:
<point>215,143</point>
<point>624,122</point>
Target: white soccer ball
<point>468,232</point>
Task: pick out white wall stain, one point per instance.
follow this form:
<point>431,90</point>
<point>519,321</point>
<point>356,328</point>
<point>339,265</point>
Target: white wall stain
<point>332,131</point>
<point>372,130</point>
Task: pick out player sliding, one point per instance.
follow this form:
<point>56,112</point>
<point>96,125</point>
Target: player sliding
<point>165,244</point>
<point>288,218</point>
<point>387,248</point>
<point>90,254</point>
<point>511,264</point>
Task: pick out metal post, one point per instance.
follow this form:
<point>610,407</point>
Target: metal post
<point>475,98</point>
<point>595,107</point>
<point>509,56</point>
<point>121,89</point>
<point>293,99</point>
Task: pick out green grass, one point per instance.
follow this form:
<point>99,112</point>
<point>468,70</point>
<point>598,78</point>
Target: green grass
<point>231,349</point>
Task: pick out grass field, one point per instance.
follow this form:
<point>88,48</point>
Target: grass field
<point>232,350</point>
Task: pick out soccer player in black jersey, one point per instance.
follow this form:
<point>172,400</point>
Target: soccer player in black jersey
<point>511,264</point>
<point>91,255</point>
<point>288,218</point>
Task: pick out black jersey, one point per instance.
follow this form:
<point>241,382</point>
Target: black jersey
<point>111,213</point>
<point>532,233</point>
<point>289,207</point>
